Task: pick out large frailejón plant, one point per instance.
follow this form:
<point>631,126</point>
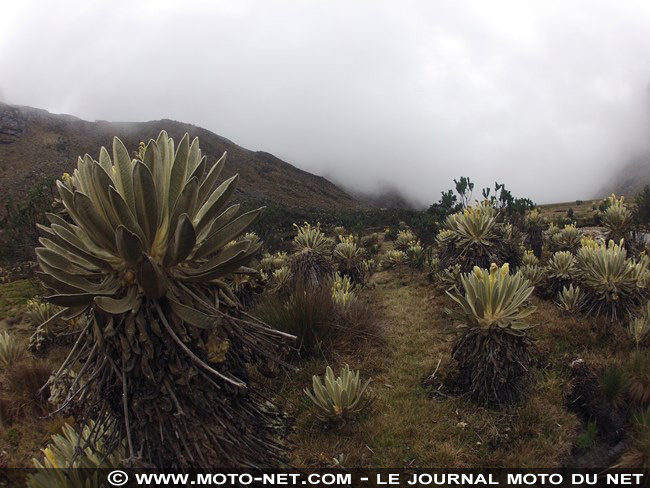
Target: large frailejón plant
<point>142,254</point>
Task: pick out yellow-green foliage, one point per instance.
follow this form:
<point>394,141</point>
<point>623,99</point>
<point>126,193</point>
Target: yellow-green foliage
<point>11,351</point>
<point>609,278</point>
<point>474,225</point>
<point>339,230</point>
<point>415,254</point>
<point>38,311</point>
<point>534,219</point>
<point>251,237</point>
<point>404,239</point>
<point>533,273</point>
<point>639,328</point>
<point>69,461</point>
<point>368,267</point>
<point>449,277</point>
<point>270,262</point>
<point>571,299</point>
<point>312,238</point>
<point>494,298</point>
<point>280,278</point>
<point>562,266</point>
<point>142,252</point>
<point>338,397</point>
<point>343,292</point>
<point>346,251</point>
<point>393,258</point>
<point>530,259</point>
<point>617,217</point>
<point>568,239</point>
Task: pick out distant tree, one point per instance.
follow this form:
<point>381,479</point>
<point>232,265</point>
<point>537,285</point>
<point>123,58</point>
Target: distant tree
<point>569,213</point>
<point>447,205</point>
<point>464,188</point>
<point>579,202</point>
<point>503,199</point>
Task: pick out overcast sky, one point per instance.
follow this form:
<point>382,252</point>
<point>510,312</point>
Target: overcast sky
<point>548,97</point>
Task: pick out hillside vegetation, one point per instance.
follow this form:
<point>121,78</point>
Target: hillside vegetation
<point>161,330</point>
<point>35,145</point>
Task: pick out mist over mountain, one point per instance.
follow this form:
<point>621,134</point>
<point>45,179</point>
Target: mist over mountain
<point>628,179</point>
<point>35,144</point>
<point>548,98</point>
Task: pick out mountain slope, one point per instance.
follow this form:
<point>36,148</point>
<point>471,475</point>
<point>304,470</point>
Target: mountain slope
<point>630,179</point>
<point>35,144</point>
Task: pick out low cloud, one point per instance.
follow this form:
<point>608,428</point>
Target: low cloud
<point>548,97</point>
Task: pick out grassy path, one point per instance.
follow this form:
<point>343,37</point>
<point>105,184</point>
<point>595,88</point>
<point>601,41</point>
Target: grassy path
<point>409,427</point>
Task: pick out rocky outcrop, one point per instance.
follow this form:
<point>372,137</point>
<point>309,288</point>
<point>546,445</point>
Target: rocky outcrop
<point>11,125</point>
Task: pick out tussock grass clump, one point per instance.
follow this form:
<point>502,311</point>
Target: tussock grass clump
<point>320,318</point>
<point>638,373</point>
<point>309,313</point>
<point>24,382</point>
<point>637,456</point>
<point>615,385</point>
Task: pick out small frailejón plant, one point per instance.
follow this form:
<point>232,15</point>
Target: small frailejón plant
<point>571,300</point>
<point>343,292</point>
<point>11,351</point>
<point>339,398</point>
<point>404,239</point>
<point>567,239</point>
<point>39,312</point>
<point>617,218</point>
<point>393,258</point>
<point>534,225</point>
<point>312,238</point>
<point>416,255</point>
<point>609,278</point>
<point>530,259</point>
<point>493,350</point>
<point>561,271</point>
<point>476,237</point>
<point>144,257</point>
<point>311,264</point>
<point>533,273</point>
<point>639,329</point>
<point>348,255</point>
<point>75,459</point>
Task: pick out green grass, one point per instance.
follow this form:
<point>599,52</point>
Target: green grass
<point>15,294</point>
<point>582,211</point>
<point>409,426</point>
